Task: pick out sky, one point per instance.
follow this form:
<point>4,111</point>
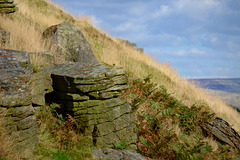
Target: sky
<point>198,38</point>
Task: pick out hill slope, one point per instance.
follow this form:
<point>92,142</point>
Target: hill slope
<point>34,16</point>
<point>26,27</point>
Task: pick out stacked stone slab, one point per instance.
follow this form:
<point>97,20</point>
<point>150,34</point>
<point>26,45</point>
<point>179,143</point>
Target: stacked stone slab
<point>91,95</point>
<point>16,111</point>
<point>7,6</point>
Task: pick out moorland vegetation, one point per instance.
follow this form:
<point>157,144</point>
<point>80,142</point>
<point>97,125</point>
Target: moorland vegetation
<point>168,110</point>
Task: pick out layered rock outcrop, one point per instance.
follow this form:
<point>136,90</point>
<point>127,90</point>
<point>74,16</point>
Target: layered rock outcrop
<point>16,111</point>
<point>69,44</point>
<point>86,89</point>
<point>222,132</point>
<point>91,95</point>
<point>7,6</point>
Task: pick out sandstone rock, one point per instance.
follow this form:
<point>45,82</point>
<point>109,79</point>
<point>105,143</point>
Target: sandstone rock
<point>41,84</point>
<point>80,78</point>
<point>16,111</point>
<point>91,95</point>
<point>21,125</point>
<point>108,153</point>
<point>15,70</point>
<point>69,44</point>
<point>4,37</point>
<point>223,132</point>
<point>7,6</point>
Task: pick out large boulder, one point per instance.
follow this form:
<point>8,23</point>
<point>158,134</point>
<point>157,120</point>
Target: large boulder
<point>69,44</point>
<point>7,6</point>
<point>91,95</point>
<point>16,111</point>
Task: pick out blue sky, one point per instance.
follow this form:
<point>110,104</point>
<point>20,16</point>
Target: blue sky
<point>198,38</point>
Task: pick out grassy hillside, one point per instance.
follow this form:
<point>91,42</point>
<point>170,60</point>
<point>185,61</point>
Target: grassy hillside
<point>34,16</point>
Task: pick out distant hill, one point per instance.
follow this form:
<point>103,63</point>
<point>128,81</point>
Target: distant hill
<point>231,85</point>
<point>226,89</point>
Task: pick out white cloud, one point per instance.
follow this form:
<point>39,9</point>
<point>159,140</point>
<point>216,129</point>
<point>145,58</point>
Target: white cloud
<point>130,26</point>
<point>138,9</point>
<point>197,9</point>
<point>234,55</point>
<point>164,10</point>
<point>196,4</point>
<point>195,51</point>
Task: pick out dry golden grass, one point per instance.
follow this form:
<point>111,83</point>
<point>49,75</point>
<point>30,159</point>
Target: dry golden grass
<point>27,25</point>
<point>23,36</point>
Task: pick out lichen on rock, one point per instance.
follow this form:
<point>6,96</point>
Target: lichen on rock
<point>69,44</point>
<point>91,94</point>
<point>17,114</point>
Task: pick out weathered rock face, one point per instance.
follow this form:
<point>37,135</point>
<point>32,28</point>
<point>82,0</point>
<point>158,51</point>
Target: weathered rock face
<point>7,6</point>
<point>223,132</point>
<point>41,84</point>
<point>16,111</point>
<point>15,74</point>
<point>70,44</point>
<point>91,95</point>
<point>4,37</point>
